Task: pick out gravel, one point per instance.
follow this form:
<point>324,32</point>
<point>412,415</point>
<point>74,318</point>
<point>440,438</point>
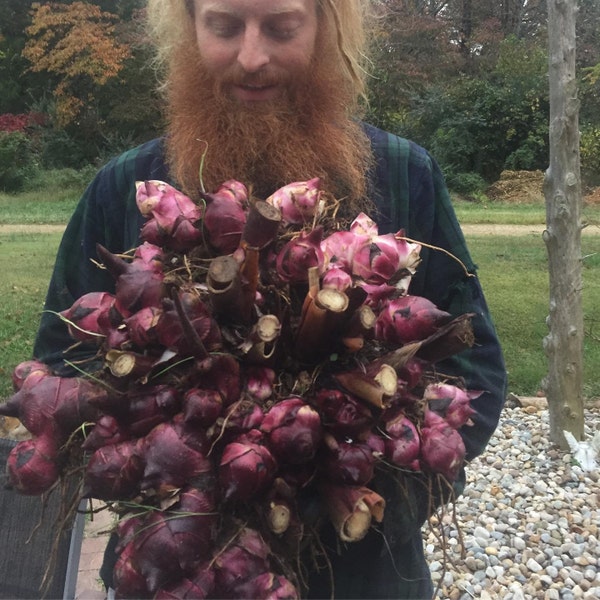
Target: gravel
<point>528,520</point>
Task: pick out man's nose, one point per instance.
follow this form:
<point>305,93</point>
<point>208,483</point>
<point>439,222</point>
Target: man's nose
<point>253,53</point>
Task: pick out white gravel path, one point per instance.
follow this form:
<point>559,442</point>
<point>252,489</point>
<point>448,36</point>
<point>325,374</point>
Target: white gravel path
<point>529,520</point>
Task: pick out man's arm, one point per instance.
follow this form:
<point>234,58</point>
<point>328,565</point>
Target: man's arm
<point>411,194</point>
<point>449,279</point>
<point>75,274</point>
<point>106,214</point>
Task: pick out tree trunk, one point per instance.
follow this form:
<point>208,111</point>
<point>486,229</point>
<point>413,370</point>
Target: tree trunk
<point>562,188</point>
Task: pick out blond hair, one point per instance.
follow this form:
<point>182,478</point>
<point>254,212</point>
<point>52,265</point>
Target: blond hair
<point>171,26</point>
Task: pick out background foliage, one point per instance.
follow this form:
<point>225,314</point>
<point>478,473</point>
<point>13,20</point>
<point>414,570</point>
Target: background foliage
<point>467,79</point>
<point>84,67</point>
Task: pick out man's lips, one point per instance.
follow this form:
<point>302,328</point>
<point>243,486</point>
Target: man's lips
<point>254,87</point>
<point>255,92</point>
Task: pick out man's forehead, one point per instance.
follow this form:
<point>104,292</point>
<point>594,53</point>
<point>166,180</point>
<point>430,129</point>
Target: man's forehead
<point>248,6</point>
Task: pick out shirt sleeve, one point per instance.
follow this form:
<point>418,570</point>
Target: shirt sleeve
<point>411,195</point>
<point>75,274</point>
<point>448,277</point>
<point>106,214</point>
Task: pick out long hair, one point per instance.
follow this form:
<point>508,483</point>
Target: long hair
<point>170,24</point>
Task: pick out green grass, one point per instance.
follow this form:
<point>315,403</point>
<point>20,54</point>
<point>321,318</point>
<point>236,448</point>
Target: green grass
<point>38,207</point>
<point>50,197</point>
<point>500,213</point>
<point>514,276</point>
<point>26,262</point>
<point>513,271</point>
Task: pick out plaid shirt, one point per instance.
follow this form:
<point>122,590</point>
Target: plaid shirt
<point>408,189</point>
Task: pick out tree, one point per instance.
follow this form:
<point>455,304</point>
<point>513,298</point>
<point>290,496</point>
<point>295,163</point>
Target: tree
<point>564,343</point>
<point>588,33</point>
<point>410,51</point>
<point>447,77</point>
<point>15,84</point>
<point>479,26</point>
<point>75,43</point>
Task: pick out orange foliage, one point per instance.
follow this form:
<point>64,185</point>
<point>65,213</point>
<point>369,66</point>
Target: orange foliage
<point>76,43</point>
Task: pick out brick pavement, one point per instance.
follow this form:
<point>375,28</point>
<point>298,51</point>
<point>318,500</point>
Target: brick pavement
<point>95,537</point>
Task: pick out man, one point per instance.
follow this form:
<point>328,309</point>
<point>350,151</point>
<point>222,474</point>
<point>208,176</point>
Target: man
<point>268,93</point>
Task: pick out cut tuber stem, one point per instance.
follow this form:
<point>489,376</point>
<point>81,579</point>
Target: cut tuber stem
<point>225,288</point>
<point>128,364</point>
<point>364,386</point>
<point>351,510</point>
<point>323,312</point>
<point>261,225</point>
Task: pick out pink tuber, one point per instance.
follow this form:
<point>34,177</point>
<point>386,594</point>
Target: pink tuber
<point>32,466</point>
<point>442,447</point>
<point>342,413</point>
<point>170,461</point>
<point>451,402</point>
<point>408,319</point>
<point>299,202</point>
<point>54,406</point>
<point>114,471</point>
<point>402,443</point>
<point>299,255</point>
<point>225,216</point>
<point>293,430</point>
<point>246,468</point>
<point>139,283</point>
<point>347,462</point>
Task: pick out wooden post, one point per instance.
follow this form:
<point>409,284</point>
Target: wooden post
<point>562,189</point>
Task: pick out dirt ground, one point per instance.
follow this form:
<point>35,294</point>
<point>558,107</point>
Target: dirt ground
<point>526,187</point>
<point>516,230</point>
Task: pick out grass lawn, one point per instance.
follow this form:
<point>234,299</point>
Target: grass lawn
<point>26,261</point>
<point>38,207</point>
<point>513,273</point>
<point>509,213</point>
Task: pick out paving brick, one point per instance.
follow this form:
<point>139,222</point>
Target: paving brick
<point>89,585</point>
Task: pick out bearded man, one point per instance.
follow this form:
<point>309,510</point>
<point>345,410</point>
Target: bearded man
<point>269,93</point>
<point>269,114</point>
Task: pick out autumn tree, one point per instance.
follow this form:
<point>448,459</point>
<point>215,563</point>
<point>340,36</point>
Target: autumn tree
<point>76,45</point>
<point>131,105</point>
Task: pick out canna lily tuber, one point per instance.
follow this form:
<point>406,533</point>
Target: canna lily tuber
<point>299,202</point>
<point>408,319</point>
<point>225,216</point>
<point>139,283</point>
<point>299,255</point>
<point>451,402</point>
<point>442,447</point>
<point>293,430</point>
<point>32,466</point>
<point>246,468</point>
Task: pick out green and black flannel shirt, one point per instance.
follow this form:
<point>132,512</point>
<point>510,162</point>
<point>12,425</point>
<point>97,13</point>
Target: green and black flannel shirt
<point>408,189</point>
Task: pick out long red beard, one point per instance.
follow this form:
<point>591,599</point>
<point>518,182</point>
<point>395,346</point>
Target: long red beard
<point>306,134</point>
